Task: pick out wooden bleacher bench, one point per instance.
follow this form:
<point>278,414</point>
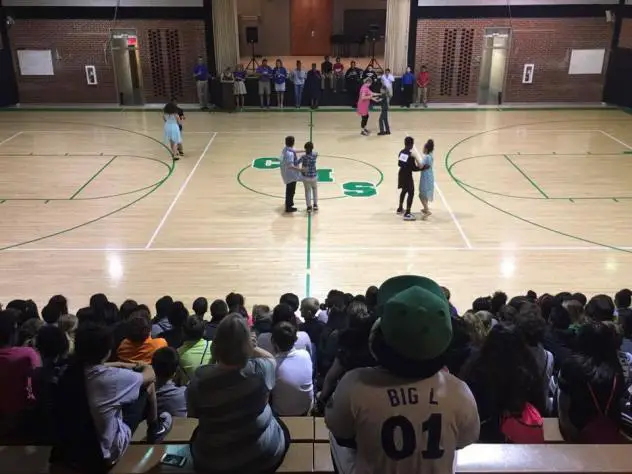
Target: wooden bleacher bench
<point>301,430</point>
<point>315,458</point>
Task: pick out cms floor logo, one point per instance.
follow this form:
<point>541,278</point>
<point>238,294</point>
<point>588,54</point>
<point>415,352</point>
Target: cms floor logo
<point>369,176</point>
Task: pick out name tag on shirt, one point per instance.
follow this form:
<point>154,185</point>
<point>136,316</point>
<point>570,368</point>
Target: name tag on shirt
<point>403,157</point>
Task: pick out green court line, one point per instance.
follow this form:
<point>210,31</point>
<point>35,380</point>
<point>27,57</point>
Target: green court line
<point>533,183</point>
<point>308,258</point>
<point>311,124</point>
<point>627,152</point>
<point>93,177</point>
<point>509,213</point>
<point>151,190</point>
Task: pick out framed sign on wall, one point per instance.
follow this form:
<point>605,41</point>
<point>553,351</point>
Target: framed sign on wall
<point>91,76</point>
<point>527,73</point>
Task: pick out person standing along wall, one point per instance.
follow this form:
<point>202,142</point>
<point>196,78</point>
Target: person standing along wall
<point>200,73</point>
<point>298,78</point>
<point>353,80</point>
<point>408,84</point>
<point>423,80</point>
<point>265,76</point>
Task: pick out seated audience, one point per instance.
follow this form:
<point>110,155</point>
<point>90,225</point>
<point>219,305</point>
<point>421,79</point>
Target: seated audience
<point>27,309</point>
<point>600,308</point>
<point>505,381</point>
<point>53,346</point>
<point>293,302</point>
<point>622,301</point>
<point>312,325</point>
<point>532,326</point>
<point>230,399</point>
<point>408,393</point>
<point>337,321</point>
<point>478,326</point>
<point>625,321</point>
<point>499,299</point>
<point>371,298</point>
<point>139,346</point>
<point>483,303</point>
<point>161,322</point>
<point>261,319</point>
<point>27,332</point>
<point>237,304</point>
<point>68,324</point>
<point>591,385</point>
<point>195,351</point>
<point>16,370</point>
<point>353,348</point>
<point>118,394</point>
<point>293,393</point>
<point>559,338</point>
<point>200,307</point>
<point>177,317</point>
<point>284,313</point>
<point>170,398</point>
<point>219,310</point>
<point>57,306</point>
<point>453,311</point>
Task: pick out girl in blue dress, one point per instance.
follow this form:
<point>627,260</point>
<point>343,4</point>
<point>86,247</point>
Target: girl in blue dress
<point>426,182</point>
<point>173,137</point>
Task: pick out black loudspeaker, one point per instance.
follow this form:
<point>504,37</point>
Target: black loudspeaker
<point>252,34</point>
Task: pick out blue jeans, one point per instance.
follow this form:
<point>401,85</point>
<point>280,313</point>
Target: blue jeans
<point>298,94</point>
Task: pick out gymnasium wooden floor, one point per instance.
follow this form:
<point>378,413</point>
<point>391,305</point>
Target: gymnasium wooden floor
<point>90,202</point>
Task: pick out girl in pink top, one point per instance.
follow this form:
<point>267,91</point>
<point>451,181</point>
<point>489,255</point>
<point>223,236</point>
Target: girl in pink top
<point>364,100</point>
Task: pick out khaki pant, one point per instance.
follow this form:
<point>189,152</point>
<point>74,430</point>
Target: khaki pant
<point>202,93</point>
<point>311,191</point>
<point>422,95</point>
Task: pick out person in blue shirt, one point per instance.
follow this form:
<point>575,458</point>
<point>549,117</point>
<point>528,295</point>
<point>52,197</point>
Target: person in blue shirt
<point>280,75</point>
<point>200,73</point>
<point>408,84</point>
<point>264,72</point>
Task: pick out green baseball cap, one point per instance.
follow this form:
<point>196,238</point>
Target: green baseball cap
<point>414,317</point>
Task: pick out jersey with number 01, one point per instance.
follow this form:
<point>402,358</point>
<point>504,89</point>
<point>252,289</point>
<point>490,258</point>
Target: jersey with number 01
<point>400,425</point>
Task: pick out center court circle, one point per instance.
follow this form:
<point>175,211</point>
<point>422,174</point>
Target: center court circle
<point>327,176</point>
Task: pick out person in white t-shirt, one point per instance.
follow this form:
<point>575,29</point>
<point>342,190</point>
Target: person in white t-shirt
<point>387,80</point>
<point>293,393</point>
<point>409,414</point>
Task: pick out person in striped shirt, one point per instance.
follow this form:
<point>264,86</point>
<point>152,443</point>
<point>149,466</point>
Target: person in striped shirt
<point>310,176</point>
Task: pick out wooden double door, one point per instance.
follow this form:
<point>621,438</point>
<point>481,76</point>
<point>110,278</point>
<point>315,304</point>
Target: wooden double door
<point>311,27</point>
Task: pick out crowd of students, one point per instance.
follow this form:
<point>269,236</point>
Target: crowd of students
<point>401,378</point>
<point>309,83</point>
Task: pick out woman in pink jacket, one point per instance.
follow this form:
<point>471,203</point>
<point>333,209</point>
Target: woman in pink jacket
<point>364,100</point>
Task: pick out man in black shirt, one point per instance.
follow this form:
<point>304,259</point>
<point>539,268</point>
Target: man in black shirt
<point>327,71</point>
<point>407,165</point>
<point>353,80</point>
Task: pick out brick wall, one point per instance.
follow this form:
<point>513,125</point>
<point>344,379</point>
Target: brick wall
<point>545,42</point>
<point>77,43</point>
<point>625,39</point>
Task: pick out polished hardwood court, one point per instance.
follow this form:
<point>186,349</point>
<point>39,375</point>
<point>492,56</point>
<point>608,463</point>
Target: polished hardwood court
<point>524,199</point>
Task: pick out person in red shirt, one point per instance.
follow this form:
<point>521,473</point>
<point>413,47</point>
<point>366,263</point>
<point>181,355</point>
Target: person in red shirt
<point>16,369</point>
<point>339,75</point>
<point>423,80</point>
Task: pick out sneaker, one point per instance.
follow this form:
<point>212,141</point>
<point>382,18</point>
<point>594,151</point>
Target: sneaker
<point>364,132</point>
<point>181,152</point>
<point>315,208</point>
<point>400,210</point>
<point>409,217</point>
<point>291,209</point>
<point>382,133</point>
<point>157,433</point>
<point>176,157</point>
<point>309,209</point>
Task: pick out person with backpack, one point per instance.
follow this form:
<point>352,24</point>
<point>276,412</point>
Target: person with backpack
<point>507,385</point>
<point>591,385</point>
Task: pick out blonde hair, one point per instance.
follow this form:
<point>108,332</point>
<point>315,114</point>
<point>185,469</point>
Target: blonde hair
<point>478,325</point>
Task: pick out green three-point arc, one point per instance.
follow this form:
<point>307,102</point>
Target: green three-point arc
<point>325,175</point>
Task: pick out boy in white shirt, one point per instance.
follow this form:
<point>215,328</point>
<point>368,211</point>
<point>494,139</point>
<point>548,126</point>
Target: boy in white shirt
<point>387,81</point>
<point>293,393</point>
<point>408,415</point>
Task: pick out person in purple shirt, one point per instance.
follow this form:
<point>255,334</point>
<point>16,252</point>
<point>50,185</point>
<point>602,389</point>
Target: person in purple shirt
<point>200,73</point>
<point>280,76</point>
<point>265,76</point>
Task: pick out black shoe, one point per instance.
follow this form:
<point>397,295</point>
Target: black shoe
<point>309,209</point>
<point>382,133</point>
<point>291,209</point>
<point>315,208</point>
<point>387,133</point>
<point>400,210</point>
<point>176,157</point>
